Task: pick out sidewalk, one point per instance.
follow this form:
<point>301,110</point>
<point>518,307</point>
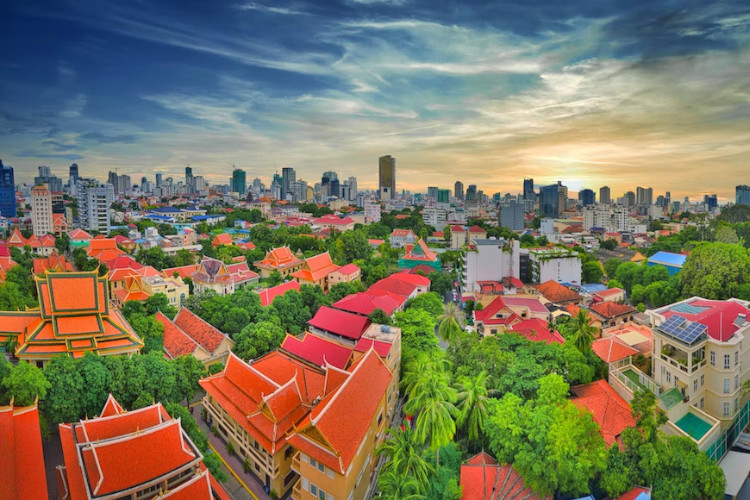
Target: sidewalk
<point>246,479</point>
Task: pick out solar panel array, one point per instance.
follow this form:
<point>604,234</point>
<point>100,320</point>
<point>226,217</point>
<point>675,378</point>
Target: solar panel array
<point>687,333</point>
<point>687,308</point>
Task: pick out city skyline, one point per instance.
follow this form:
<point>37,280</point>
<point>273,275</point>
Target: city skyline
<point>582,93</point>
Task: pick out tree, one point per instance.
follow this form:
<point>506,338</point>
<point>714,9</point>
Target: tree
<point>189,372</point>
<point>609,244</point>
<point>727,234</point>
<point>159,302</point>
<point>583,336</point>
<point>715,271</point>
<point>404,453</point>
<point>215,368</point>
<point>591,272</point>
<point>380,317</point>
<point>313,297</point>
<point>394,486</point>
<point>417,330</point>
<point>451,322</point>
<point>25,383</point>
<point>274,278</point>
<point>429,302</point>
<point>353,245</point>
<point>183,258</point>
<point>341,290</point>
<point>292,312</point>
<point>158,375</point>
<point>610,267</point>
<point>472,402</point>
<point>444,483</point>
<point>62,243</point>
<point>256,339</point>
<point>97,381</point>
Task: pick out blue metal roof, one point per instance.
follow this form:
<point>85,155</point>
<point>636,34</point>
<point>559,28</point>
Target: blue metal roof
<point>594,287</point>
<point>166,210</point>
<point>668,259</point>
<point>159,217</point>
<point>202,217</point>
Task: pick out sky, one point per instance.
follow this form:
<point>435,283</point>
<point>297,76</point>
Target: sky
<point>593,92</point>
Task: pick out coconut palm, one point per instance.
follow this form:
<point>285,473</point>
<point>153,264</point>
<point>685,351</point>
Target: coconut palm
<point>583,335</point>
<point>432,401</point>
<point>417,366</point>
<point>405,457</point>
<point>451,322</point>
<point>395,486</point>
<point>472,400</point>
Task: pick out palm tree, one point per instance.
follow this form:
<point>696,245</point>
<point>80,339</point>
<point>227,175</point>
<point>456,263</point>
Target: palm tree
<point>395,486</point>
<point>472,403</point>
<point>583,335</point>
<point>451,322</point>
<point>432,401</point>
<point>405,457</point>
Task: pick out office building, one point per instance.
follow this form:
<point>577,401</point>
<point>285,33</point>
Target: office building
<point>94,204</point>
<point>54,183</point>
<point>549,200</point>
<point>471,192</point>
<point>41,210</point>
<point>432,192</point>
<point>387,177</point>
<point>458,190</point>
<point>288,178</point>
<point>239,184</point>
<point>7,192</point>
<point>512,215</point>
<point>444,196</point>
<point>159,177</point>
<point>586,197</point>
<point>113,178</point>
<point>605,196</point>
<point>125,185</point>
<point>72,178</point>
<point>644,196</point>
<point>742,195</point>
<point>629,199</point>
<point>189,180</point>
<point>528,189</point>
<point>711,202</point>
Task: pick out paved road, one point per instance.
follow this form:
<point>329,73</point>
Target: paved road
<point>53,456</point>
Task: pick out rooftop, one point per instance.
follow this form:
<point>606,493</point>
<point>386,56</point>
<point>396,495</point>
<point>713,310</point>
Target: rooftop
<point>668,259</point>
<point>557,293</point>
<point>608,408</point>
<point>722,318</point>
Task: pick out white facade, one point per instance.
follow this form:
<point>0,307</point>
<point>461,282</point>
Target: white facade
<point>372,211</point>
<point>493,260</point>
<point>555,264</point>
<point>435,216</point>
<point>94,207</point>
<point>41,210</point>
<point>612,219</point>
<point>547,226</point>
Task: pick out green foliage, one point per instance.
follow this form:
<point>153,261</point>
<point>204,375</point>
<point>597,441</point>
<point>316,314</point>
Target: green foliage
<point>610,267</point>
<point>404,453</point>
<point>155,257</point>
<point>149,330</point>
<point>274,278</point>
<point>451,324</point>
<point>189,372</point>
<point>609,244</point>
<point>159,302</point>
<point>19,290</point>
<point>715,271</point>
<point>430,302</point>
<point>341,290</point>
<point>292,312</point>
<point>591,272</point>
<point>352,245</point>
<point>215,368</point>
<point>62,243</point>
<point>472,404</point>
<point>313,297</point>
<point>97,381</point>
<point>380,317</point>
<point>583,335</point>
<point>417,330</point>
<point>25,383</point>
<point>444,484</point>
<point>159,375</point>
<point>256,339</point>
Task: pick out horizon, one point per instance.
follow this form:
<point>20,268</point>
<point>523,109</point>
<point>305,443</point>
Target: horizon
<point>589,94</point>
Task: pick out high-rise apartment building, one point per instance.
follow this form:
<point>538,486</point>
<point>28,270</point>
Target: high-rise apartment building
<point>512,215</point>
<point>629,199</point>
<point>549,200</point>
<point>605,196</point>
<point>387,177</point>
<point>239,184</point>
<point>159,177</point>
<point>443,196</point>
<point>125,185</point>
<point>41,210</point>
<point>114,179</point>
<point>189,180</point>
<point>7,192</point>
<point>94,206</point>
<point>352,189</point>
<point>458,190</point>
<point>288,178</point>
<point>586,197</point>
<point>432,192</point>
<point>644,196</point>
<point>528,189</point>
<point>742,195</point>
<point>471,192</point>
<point>73,174</point>
<point>54,183</point>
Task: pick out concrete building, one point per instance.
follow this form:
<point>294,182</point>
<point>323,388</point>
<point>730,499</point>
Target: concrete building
<point>605,196</point>
<point>611,219</point>
<point>94,204</point>
<point>288,178</point>
<point>435,216</point>
<point>512,215</point>
<point>742,194</point>
<point>7,192</point>
<point>586,197</point>
<point>490,260</point>
<point>238,181</point>
<point>557,264</point>
<point>458,190</point>
<point>387,177</point>
<point>41,210</point>
<point>372,211</point>
<point>549,200</point>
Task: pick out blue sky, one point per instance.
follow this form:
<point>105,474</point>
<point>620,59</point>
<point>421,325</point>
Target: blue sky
<point>591,92</point>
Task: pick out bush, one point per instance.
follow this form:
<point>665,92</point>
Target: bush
<point>230,448</point>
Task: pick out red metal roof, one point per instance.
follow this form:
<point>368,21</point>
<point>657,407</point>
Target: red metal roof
<point>609,310</point>
<point>348,269</point>
<point>267,295</point>
<point>718,315</point>
<point>340,323</point>
<point>365,303</point>
<point>382,348</point>
<point>318,350</point>
<point>21,457</point>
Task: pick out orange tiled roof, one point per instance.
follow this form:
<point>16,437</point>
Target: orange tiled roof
<point>200,331</point>
<point>419,251</point>
<point>176,341</point>
<point>182,271</point>
<point>316,268</point>
<point>609,409</point>
<point>54,262</point>
<point>482,478</point>
<point>612,349</point>
<point>222,239</point>
<point>609,310</point>
<point>557,293</point>
<point>103,249</point>
<point>79,234</point>
<point>279,258</point>
<point>344,416</point>
<point>21,457</point>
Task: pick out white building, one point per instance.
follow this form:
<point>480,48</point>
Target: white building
<point>435,216</point>
<point>491,260</point>
<point>547,226</point>
<point>94,207</point>
<point>41,210</point>
<point>372,211</point>
<point>557,264</point>
<point>611,219</point>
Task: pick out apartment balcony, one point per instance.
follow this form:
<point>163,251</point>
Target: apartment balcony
<point>295,462</point>
<point>297,490</point>
<point>682,360</point>
<point>626,379</point>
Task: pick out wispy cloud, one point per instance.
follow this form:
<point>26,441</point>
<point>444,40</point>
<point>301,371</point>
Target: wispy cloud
<point>105,139</point>
<point>272,9</point>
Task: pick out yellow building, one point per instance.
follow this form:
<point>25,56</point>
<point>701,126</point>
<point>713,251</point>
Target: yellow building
<point>176,290</point>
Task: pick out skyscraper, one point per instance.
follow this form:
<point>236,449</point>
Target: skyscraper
<point>123,182</point>
<point>629,199</point>
<point>471,192</point>
<point>549,200</point>
<point>742,194</point>
<point>711,201</point>
<point>288,178</point>
<point>7,192</point>
<point>189,180</point>
<point>113,178</point>
<point>443,196</point>
<point>159,177</point>
<point>458,190</point>
<point>432,192</point>
<point>644,196</point>
<point>41,210</point>
<point>352,188</point>
<point>44,171</point>
<point>512,215</point>
<point>73,173</point>
<point>586,197</point>
<point>387,177</point>
<point>605,196</point>
<point>54,183</point>
<point>94,206</point>
<point>327,185</point>
<point>238,181</point>
<point>528,189</point>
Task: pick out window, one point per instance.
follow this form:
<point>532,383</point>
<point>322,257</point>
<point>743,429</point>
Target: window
<point>313,462</point>
<point>288,452</point>
<point>695,385</point>
<point>701,403</point>
<point>726,409</point>
<point>736,382</point>
<point>703,379</point>
<point>713,358</point>
<point>726,386</point>
<point>726,361</point>
<point>380,417</point>
<point>321,467</point>
<point>736,404</point>
<point>669,376</point>
<point>736,358</point>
